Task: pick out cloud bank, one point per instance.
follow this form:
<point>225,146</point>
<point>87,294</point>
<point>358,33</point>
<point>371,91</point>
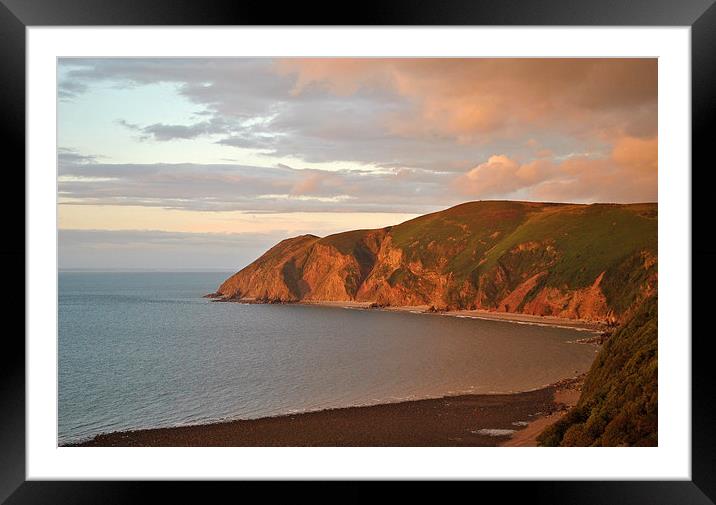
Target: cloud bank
<point>442,115</point>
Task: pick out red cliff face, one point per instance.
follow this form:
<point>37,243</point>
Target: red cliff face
<point>584,262</point>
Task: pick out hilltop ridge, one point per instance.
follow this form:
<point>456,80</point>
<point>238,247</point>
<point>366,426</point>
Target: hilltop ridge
<point>591,262</point>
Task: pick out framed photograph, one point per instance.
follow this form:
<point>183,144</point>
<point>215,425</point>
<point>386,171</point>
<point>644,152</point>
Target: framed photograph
<point>446,243</point>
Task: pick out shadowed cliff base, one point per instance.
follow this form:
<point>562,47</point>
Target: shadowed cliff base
<point>508,317</point>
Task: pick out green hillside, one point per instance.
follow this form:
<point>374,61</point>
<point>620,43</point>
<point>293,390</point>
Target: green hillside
<point>618,405</point>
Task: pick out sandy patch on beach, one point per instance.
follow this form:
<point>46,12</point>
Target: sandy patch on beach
<point>565,399</point>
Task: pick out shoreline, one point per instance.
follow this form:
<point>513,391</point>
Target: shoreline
<point>478,420</point>
<point>487,315</point>
<point>475,420</point>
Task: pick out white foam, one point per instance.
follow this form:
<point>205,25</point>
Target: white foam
<point>493,432</point>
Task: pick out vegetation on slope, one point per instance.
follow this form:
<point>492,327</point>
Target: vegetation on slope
<point>589,238</point>
<point>618,405</point>
<point>462,234</point>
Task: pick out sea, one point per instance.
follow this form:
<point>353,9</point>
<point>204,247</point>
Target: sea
<point>145,350</point>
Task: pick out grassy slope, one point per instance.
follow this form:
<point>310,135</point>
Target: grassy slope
<point>590,238</point>
<point>468,230</point>
<point>618,405</point>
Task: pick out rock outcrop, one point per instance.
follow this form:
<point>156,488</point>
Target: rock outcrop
<point>592,262</point>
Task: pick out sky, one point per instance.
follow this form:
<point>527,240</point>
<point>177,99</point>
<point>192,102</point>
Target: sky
<point>206,163</point>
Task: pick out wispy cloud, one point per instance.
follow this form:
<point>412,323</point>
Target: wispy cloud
<point>225,187</point>
<point>164,132</point>
<point>67,156</point>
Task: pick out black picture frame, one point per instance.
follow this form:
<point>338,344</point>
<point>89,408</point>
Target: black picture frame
<point>16,15</point>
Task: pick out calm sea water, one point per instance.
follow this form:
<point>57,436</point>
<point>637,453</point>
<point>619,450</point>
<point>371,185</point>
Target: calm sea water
<point>139,350</point>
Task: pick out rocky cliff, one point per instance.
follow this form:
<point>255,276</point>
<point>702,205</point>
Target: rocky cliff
<point>593,262</point>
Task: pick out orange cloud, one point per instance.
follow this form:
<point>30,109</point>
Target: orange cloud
<point>639,154</point>
<point>501,175</point>
<point>470,99</point>
<point>600,105</point>
<point>628,174</point>
<point>307,185</point>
